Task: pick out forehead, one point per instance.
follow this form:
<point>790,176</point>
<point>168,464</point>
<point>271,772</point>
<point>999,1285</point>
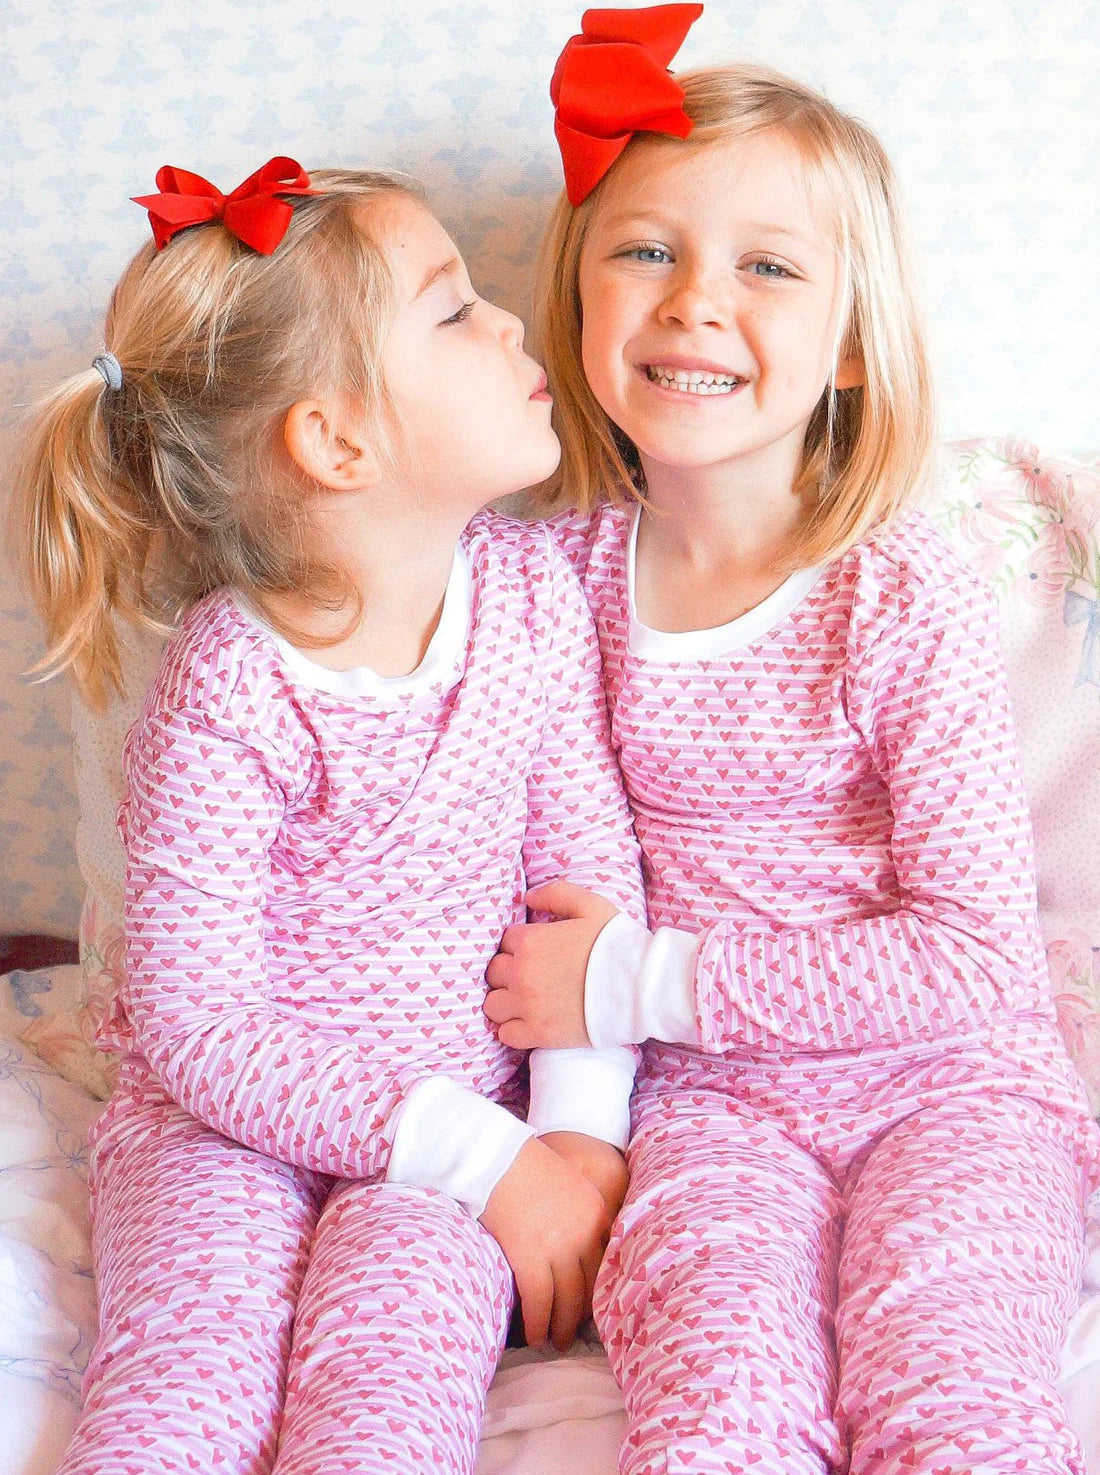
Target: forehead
<point>762,176</point>
<point>412,239</point>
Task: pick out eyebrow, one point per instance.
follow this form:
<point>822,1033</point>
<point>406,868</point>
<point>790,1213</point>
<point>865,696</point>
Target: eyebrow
<point>756,227</point>
<point>435,272</point>
<point>765,228</point>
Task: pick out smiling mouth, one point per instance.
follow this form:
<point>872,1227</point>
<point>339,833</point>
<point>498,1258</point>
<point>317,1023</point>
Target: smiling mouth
<point>692,381</point>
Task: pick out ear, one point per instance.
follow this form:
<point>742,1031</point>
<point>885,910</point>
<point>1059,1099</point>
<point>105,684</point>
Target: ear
<point>328,447</point>
<point>850,373</point>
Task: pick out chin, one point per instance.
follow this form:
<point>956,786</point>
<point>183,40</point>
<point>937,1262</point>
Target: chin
<point>546,466</point>
<point>681,456</point>
<point>552,464</point>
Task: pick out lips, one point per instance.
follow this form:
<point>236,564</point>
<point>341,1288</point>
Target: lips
<point>540,391</point>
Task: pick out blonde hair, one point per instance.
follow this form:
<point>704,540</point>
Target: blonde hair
<point>867,449</point>
<point>135,502</point>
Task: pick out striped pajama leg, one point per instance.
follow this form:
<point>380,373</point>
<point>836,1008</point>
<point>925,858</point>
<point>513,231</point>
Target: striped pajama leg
<point>715,1300</point>
<point>959,1270</point>
<point>400,1324</point>
<point>200,1247</point>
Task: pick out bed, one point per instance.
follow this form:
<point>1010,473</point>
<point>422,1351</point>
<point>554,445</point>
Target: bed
<point>1028,522</point>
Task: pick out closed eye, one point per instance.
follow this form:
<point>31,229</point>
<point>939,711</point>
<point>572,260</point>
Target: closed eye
<point>461,315</point>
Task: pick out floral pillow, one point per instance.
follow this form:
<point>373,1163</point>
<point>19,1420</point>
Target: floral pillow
<point>45,1009</point>
<point>1031,525</point>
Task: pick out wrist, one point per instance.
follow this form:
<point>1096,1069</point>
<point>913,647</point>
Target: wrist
<point>582,1091</point>
<point>640,985</point>
<point>450,1138</point>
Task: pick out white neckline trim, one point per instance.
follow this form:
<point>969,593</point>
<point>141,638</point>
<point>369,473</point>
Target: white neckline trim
<point>721,640</point>
<point>438,670</point>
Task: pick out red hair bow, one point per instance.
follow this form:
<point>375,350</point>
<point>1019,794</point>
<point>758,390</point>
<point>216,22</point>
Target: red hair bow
<point>253,213</point>
<point>611,82</point>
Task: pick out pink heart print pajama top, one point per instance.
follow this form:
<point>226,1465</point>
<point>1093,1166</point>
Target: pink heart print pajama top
<point>853,1234</point>
<point>312,1107</point>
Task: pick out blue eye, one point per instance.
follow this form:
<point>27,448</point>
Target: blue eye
<point>765,267</point>
<point>648,254</point>
<point>461,315</point>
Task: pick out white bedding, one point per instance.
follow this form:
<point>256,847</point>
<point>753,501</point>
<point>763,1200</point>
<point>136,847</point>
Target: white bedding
<point>546,1414</point>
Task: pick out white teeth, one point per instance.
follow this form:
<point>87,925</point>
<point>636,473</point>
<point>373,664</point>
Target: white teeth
<point>692,381</point>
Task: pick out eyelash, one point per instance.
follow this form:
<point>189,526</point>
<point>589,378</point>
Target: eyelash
<point>637,251</point>
<point>461,315</point>
<point>778,272</point>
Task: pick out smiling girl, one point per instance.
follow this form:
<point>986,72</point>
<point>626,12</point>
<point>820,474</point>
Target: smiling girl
<point>853,1234</point>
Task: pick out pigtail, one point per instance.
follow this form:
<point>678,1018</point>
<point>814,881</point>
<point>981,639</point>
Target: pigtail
<point>144,490</point>
<point>82,537</point>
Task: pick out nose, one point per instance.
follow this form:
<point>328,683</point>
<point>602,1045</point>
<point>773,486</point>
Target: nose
<point>696,298</point>
<point>509,327</point>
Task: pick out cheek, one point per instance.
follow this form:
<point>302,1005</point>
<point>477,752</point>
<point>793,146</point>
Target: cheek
<point>603,335</point>
<point>796,348</point>
<point>592,348</point>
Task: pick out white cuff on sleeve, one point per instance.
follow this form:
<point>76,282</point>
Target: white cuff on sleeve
<point>640,985</point>
<point>582,1091</point>
<point>448,1137</point>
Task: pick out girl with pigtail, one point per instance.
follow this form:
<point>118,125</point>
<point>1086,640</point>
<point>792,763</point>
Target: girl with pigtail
<point>854,1230</point>
<point>377,719</point>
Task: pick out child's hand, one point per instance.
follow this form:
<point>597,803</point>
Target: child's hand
<point>536,980</point>
<point>552,1225</point>
<point>603,1165</point>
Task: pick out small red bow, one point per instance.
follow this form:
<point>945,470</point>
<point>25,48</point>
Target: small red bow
<point>253,213</point>
<point>611,82</point>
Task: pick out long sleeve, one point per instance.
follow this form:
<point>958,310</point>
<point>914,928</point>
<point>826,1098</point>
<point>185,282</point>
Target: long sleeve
<point>204,806</point>
<point>579,830</point>
<point>956,950</point>
<point>578,821</point>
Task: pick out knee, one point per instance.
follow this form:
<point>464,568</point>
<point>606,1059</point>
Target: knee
<point>400,1250</point>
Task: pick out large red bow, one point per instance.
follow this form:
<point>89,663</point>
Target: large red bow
<point>253,213</point>
<point>611,82</point>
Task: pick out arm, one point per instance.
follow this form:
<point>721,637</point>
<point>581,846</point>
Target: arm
<point>960,949</point>
<point>579,823</point>
<point>204,806</point>
<point>578,827</point>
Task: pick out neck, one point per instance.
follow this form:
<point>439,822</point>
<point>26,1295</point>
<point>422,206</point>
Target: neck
<point>398,563</point>
<point>714,541</point>
<point>742,514</point>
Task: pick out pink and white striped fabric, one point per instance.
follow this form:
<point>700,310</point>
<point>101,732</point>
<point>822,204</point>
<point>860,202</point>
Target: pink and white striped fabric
<point>853,1234</point>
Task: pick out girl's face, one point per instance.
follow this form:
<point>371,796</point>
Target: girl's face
<point>711,296</point>
<point>472,409</point>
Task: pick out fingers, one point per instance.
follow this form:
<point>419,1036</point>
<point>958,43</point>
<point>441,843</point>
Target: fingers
<point>512,936</point>
<point>560,899</point>
<point>500,1005</point>
<point>591,1260</point>
<point>517,1034</point>
<point>501,971</point>
<point>536,1295</point>
<point>572,1299</point>
<point>501,1002</point>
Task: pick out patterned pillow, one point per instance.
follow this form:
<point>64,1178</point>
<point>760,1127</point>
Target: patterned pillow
<point>1029,525</point>
<point>46,1010</point>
